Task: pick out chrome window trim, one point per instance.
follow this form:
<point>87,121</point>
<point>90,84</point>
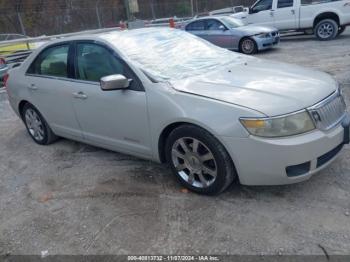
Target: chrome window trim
<point>64,79</point>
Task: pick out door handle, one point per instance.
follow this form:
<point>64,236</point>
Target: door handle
<point>80,95</point>
<point>32,87</point>
<point>293,11</point>
<point>271,12</point>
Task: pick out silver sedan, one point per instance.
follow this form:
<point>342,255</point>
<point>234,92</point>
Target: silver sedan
<point>231,33</point>
<point>168,96</point>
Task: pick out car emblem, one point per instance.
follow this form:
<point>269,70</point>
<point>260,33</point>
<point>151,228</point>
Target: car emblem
<point>316,116</point>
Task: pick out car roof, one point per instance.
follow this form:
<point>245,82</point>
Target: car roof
<point>103,36</point>
<point>217,17</point>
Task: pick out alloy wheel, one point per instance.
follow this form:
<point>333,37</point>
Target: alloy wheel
<point>194,162</point>
<point>248,46</point>
<point>34,124</point>
<point>325,30</point>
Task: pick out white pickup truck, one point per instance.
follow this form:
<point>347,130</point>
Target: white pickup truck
<point>325,18</point>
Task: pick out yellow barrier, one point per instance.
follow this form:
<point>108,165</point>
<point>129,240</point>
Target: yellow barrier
<point>12,48</point>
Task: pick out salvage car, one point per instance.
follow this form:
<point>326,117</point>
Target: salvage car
<point>166,95</point>
<point>233,34</point>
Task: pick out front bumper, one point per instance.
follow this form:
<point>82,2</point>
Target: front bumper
<point>261,161</point>
<point>266,43</point>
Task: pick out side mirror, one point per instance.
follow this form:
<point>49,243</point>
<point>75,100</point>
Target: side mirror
<point>114,82</point>
<point>222,27</point>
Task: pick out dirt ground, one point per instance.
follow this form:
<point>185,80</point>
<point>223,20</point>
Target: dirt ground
<point>70,198</point>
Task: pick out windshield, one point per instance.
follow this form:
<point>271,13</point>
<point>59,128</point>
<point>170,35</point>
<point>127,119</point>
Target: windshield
<point>232,22</point>
<point>170,54</point>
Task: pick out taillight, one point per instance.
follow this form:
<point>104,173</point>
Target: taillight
<point>5,79</point>
<point>2,61</point>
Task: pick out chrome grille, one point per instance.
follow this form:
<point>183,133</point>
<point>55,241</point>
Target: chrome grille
<point>329,112</point>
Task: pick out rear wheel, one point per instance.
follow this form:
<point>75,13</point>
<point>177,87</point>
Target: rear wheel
<point>36,125</point>
<point>199,161</point>
<point>248,46</point>
<point>326,29</point>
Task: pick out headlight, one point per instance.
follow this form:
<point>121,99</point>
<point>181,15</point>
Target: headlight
<point>287,125</point>
<point>263,35</point>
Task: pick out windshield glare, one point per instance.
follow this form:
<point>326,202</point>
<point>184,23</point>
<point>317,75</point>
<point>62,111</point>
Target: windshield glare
<point>170,54</point>
<point>232,22</point>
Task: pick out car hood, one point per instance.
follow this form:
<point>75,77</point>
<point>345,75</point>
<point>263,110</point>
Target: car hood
<point>256,29</point>
<point>240,15</point>
<point>272,88</point>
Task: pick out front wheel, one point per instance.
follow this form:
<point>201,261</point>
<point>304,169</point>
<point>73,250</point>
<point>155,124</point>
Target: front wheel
<point>326,29</point>
<point>199,161</point>
<point>248,46</point>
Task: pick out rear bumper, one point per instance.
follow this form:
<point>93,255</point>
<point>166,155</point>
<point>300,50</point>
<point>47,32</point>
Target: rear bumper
<point>280,161</point>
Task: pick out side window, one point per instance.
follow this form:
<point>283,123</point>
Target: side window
<point>284,3</point>
<point>262,5</point>
<point>196,26</point>
<point>313,2</point>
<point>213,24</point>
<point>53,61</point>
<point>95,61</point>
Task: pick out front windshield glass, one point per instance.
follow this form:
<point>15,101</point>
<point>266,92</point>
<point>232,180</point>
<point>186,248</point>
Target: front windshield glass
<point>170,54</point>
<point>232,22</point>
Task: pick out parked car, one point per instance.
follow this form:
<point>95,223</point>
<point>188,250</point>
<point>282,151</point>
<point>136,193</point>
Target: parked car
<point>168,96</point>
<point>233,34</point>
<point>325,18</point>
<point>3,70</point>
<point>227,11</point>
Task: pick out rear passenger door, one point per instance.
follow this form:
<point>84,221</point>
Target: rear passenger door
<point>285,14</point>
<point>50,90</point>
<point>197,28</point>
<point>116,119</point>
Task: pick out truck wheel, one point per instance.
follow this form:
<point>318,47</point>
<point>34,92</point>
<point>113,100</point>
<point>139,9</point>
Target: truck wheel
<point>248,46</point>
<point>341,30</point>
<point>199,161</point>
<point>326,29</point>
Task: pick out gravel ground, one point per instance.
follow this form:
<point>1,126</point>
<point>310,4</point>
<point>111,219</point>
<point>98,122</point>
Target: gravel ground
<point>70,198</point>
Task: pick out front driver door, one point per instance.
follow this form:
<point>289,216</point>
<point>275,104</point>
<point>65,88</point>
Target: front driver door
<point>116,119</point>
<point>218,34</point>
<point>261,13</point>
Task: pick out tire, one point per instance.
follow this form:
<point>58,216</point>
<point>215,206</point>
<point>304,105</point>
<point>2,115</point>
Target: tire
<point>326,29</point>
<point>341,30</point>
<point>36,125</point>
<point>248,46</point>
<point>202,165</point>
